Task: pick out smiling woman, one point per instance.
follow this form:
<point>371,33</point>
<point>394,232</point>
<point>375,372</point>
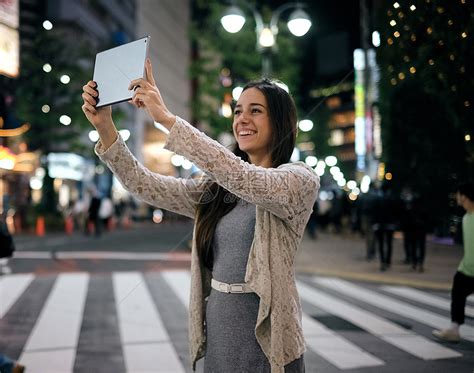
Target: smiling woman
<point>252,128</point>
<point>250,207</point>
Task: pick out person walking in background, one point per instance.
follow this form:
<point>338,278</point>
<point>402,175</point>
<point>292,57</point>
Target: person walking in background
<point>7,247</point>
<point>367,202</point>
<point>406,199</point>
<point>414,222</point>
<point>463,282</point>
<point>106,212</point>
<point>313,221</point>
<point>250,208</point>
<point>384,218</point>
<point>8,365</point>
<point>337,210</point>
<point>93,218</point>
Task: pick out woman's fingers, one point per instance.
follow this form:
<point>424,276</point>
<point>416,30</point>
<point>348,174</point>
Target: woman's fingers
<point>138,83</point>
<point>89,99</point>
<point>138,100</point>
<point>149,72</point>
<point>93,92</point>
<point>89,108</point>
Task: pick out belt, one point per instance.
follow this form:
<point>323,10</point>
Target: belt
<point>230,288</point>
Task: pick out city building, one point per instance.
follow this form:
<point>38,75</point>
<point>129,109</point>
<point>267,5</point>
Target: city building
<point>100,25</point>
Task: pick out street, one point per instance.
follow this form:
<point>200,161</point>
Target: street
<point>118,303</point>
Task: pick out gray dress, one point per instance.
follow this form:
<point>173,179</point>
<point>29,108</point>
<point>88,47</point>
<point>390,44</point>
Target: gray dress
<point>231,318</point>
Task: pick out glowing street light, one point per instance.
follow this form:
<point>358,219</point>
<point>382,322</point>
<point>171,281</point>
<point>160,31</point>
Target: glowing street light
<point>305,125</point>
<point>65,79</point>
<point>299,24</point>
<point>233,19</point>
<point>47,25</point>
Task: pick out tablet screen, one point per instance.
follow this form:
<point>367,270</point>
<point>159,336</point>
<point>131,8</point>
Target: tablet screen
<point>115,68</point>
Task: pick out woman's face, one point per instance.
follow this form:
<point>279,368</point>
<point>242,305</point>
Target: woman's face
<point>252,128</point>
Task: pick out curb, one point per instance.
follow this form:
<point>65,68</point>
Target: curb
<point>367,277</point>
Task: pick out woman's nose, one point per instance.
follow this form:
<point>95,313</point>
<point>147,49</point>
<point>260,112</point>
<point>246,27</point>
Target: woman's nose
<point>243,117</point>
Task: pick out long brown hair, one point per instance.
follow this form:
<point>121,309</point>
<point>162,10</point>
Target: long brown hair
<point>282,115</point>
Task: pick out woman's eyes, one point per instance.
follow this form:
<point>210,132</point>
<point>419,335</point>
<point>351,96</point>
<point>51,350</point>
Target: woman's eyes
<point>254,110</point>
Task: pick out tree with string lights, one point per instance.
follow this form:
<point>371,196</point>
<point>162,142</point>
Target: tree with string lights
<point>426,97</point>
<point>48,97</point>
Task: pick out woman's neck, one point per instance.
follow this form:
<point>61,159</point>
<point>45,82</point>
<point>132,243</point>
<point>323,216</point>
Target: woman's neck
<point>264,160</point>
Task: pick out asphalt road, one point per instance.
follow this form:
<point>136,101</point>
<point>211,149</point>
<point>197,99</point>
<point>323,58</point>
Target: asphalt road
<point>118,303</point>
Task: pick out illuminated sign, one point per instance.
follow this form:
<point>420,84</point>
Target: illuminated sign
<point>359,123</point>
<point>66,166</point>
<point>9,38</point>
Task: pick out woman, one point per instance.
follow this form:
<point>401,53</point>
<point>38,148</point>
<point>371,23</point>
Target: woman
<point>251,209</point>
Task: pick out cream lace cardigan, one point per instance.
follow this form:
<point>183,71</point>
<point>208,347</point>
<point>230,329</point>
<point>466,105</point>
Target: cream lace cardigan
<point>284,197</point>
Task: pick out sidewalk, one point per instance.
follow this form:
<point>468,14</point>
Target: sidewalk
<point>345,256</point>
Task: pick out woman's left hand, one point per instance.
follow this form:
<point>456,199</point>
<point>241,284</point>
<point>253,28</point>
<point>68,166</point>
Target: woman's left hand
<point>148,96</point>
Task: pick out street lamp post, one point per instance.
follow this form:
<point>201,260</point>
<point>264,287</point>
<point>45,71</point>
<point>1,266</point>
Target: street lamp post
<point>299,23</point>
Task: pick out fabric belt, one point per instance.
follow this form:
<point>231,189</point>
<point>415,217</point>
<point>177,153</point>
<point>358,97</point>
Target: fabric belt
<point>230,288</point>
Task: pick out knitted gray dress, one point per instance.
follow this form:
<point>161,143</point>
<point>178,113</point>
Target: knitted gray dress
<point>231,318</point>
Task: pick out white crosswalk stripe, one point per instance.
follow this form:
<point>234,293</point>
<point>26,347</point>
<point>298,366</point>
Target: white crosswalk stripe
<point>404,309</point>
<point>180,282</point>
<point>386,330</point>
<point>52,343</point>
<point>11,288</point>
<point>145,341</point>
<point>147,345</point>
<point>334,348</point>
<point>422,297</point>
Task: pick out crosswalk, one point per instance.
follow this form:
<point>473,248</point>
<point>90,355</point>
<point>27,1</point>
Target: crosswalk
<point>135,322</point>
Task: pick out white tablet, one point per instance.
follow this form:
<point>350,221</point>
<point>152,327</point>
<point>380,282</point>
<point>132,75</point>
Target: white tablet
<point>115,68</point>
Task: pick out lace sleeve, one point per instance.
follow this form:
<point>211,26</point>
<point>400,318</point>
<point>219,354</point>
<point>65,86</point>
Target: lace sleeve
<point>167,192</point>
<point>288,191</point>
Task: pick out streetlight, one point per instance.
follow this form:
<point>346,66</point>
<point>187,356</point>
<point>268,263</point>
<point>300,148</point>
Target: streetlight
<point>299,23</point>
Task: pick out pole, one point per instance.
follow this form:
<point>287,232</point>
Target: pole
<point>266,63</point>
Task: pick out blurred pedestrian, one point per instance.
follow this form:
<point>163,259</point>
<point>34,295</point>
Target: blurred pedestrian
<point>337,210</point>
<point>463,282</point>
<point>384,218</point>
<point>367,207</point>
<point>106,212</point>
<point>8,365</point>
<point>7,247</point>
<point>313,221</point>
<point>93,220</point>
<point>324,206</point>
<point>414,223</point>
<point>79,214</point>
<point>251,210</point>
<point>406,198</point>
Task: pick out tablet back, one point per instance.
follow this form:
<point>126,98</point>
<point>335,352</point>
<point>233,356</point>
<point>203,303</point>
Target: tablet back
<point>115,68</point>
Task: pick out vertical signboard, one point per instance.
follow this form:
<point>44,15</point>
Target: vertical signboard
<point>360,140</point>
<point>9,38</point>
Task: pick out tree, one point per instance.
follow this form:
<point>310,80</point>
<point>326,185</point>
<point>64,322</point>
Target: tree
<point>49,88</point>
<point>426,95</point>
<point>216,49</point>
<point>45,93</point>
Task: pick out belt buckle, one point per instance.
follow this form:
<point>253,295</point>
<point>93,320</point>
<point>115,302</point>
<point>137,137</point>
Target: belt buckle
<point>236,288</point>
<point>224,288</point>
